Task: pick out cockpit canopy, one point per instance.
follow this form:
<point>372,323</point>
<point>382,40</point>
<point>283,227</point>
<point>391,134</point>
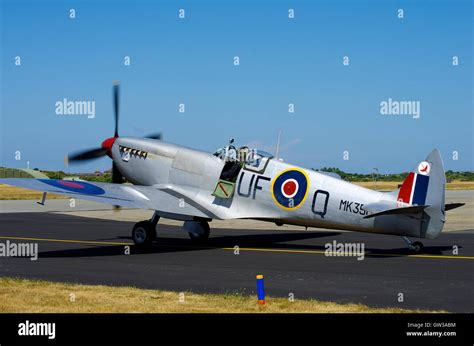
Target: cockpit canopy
<point>244,155</point>
<point>250,159</point>
<point>234,160</point>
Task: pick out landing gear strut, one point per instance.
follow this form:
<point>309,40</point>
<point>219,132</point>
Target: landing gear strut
<point>415,247</point>
<point>144,232</point>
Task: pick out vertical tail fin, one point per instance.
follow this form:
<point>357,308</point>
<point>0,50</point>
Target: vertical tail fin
<point>426,186</point>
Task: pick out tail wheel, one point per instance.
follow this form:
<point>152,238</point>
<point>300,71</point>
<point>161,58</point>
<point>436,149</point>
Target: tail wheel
<point>417,247</point>
<point>205,230</point>
<point>143,234</point>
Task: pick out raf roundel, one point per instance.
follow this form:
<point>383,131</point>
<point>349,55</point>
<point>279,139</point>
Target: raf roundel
<point>80,187</point>
<point>289,188</point>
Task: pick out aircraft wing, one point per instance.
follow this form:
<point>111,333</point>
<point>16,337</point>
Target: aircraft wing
<point>131,196</point>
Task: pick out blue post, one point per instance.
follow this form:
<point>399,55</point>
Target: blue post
<point>260,290</point>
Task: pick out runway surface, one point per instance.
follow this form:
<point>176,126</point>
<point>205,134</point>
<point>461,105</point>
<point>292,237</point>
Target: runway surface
<point>92,251</point>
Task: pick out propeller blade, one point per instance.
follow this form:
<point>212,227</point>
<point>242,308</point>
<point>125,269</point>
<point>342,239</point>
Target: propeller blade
<point>107,144</point>
<point>116,107</point>
<point>117,177</point>
<point>157,135</point>
<point>87,155</point>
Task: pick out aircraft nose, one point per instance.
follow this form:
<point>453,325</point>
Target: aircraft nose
<point>108,143</point>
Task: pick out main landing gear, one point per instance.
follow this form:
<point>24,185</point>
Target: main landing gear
<point>144,232</point>
<point>415,247</point>
<point>198,230</point>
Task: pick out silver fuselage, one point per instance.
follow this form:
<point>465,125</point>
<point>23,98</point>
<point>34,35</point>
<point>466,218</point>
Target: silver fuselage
<point>329,202</point>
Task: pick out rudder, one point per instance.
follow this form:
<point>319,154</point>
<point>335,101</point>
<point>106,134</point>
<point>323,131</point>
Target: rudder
<point>426,186</point>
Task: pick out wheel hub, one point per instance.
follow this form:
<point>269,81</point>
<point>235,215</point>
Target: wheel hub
<point>140,235</point>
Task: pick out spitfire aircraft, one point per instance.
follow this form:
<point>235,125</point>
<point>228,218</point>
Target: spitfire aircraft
<point>196,187</point>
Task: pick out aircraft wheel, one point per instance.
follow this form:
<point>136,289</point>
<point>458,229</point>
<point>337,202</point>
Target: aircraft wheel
<point>417,247</point>
<point>143,234</point>
<point>203,234</point>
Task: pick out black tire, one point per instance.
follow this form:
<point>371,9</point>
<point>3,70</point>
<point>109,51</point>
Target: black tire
<point>201,237</point>
<point>143,234</point>
<point>417,247</point>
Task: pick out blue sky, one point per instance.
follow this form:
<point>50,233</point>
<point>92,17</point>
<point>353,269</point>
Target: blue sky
<point>282,61</point>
